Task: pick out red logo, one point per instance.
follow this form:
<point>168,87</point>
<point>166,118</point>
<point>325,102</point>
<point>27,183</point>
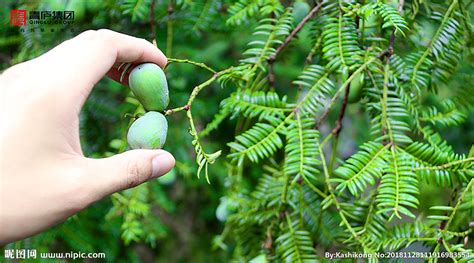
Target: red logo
<point>18,17</point>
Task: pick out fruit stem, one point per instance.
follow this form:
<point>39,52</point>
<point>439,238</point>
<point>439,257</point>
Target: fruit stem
<point>171,111</point>
<point>196,91</point>
<point>199,64</point>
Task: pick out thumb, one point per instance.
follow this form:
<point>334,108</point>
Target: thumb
<point>129,169</point>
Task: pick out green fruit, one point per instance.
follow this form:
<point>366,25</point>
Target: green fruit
<point>300,10</point>
<point>168,178</point>
<point>148,83</point>
<point>148,131</point>
<point>355,91</point>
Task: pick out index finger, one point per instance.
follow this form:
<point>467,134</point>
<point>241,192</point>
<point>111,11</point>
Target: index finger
<point>85,59</point>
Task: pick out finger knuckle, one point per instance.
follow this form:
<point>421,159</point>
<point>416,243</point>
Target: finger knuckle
<point>135,174</point>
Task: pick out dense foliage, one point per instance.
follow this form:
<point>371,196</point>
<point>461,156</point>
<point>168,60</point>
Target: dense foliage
<point>344,127</point>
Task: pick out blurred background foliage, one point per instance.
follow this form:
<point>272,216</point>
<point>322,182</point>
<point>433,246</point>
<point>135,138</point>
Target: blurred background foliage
<point>174,218</point>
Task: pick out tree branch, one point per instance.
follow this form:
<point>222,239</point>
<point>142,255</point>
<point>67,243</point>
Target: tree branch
<point>169,26</point>
<point>338,127</point>
<point>392,37</point>
<point>445,166</point>
<point>295,31</point>
<point>152,21</point>
<point>196,91</point>
<point>198,64</point>
<point>351,77</point>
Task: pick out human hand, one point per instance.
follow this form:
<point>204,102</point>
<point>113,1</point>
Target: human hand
<point>45,177</point>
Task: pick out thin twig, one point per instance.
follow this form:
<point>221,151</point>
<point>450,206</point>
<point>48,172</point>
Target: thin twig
<point>338,127</point>
<point>351,77</point>
<point>309,57</point>
<point>196,91</point>
<point>198,64</point>
<point>385,123</point>
<point>152,21</point>
<point>271,73</point>
<point>295,31</point>
<point>385,53</point>
<point>271,76</point>
<point>392,37</point>
<point>169,26</point>
<point>336,202</point>
<point>171,111</point>
<point>388,53</point>
<point>445,166</point>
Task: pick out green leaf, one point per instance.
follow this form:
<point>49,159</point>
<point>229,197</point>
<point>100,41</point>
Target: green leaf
<point>259,142</point>
<point>362,168</point>
<point>301,149</point>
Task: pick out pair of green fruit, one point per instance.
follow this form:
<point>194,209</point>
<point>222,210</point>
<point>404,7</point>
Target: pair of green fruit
<point>148,84</point>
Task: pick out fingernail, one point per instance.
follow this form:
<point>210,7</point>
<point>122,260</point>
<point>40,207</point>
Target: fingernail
<point>162,164</point>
